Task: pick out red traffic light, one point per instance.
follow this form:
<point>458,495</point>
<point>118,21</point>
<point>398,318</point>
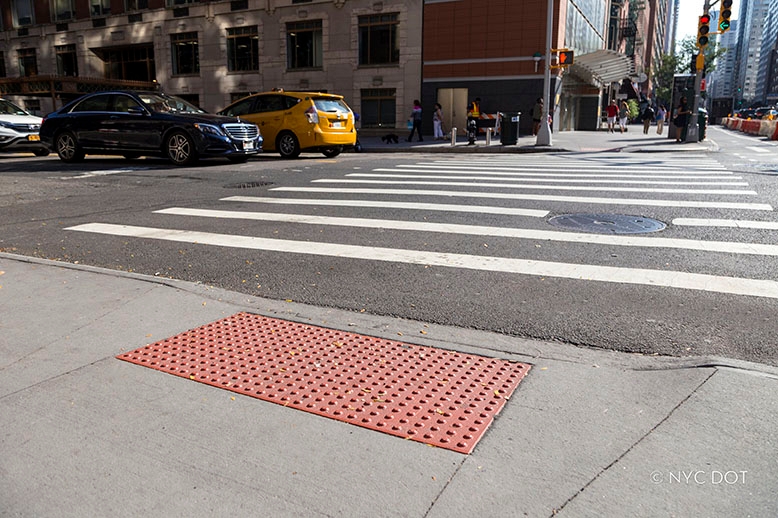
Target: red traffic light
<point>702,30</point>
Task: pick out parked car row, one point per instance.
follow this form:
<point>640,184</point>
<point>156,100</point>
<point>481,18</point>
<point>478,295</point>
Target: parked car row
<point>134,124</point>
<point>762,113</point>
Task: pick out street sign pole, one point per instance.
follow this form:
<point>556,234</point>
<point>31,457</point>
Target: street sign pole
<point>544,132</point>
<point>693,129</point>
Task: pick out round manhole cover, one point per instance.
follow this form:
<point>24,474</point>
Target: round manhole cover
<point>607,223</point>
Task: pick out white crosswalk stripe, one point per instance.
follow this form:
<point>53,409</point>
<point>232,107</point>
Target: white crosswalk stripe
<point>670,279</point>
<point>493,176</point>
<point>589,179</point>
<point>480,230</point>
<point>536,197</point>
<point>536,186</point>
<point>444,207</point>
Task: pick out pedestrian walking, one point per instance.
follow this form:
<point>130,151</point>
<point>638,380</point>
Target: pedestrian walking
<point>612,111</point>
<point>537,115</point>
<point>623,115</point>
<point>681,119</point>
<point>661,113</point>
<point>648,117</point>
<point>437,122</point>
<point>415,120</point>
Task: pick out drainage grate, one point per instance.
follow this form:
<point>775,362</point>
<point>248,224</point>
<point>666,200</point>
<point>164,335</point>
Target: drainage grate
<point>247,185</point>
<point>607,223</point>
<point>442,398</point>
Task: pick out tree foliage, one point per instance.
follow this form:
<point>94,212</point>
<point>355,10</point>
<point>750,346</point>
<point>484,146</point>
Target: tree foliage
<point>680,62</point>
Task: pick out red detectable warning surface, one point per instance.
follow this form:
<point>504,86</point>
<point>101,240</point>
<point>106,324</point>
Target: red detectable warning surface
<point>442,398</point>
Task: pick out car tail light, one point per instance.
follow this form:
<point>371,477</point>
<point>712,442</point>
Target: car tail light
<point>312,115</point>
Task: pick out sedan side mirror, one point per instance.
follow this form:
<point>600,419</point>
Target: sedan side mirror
<point>136,110</point>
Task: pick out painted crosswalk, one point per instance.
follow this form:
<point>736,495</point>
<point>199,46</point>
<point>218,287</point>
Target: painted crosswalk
<point>691,185</point>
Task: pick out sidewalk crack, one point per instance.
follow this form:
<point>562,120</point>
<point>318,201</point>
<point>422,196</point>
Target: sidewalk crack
<point>555,511</point>
<point>445,486</point>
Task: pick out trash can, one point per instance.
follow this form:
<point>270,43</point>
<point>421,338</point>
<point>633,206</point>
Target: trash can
<point>702,121</point>
<point>509,128</point>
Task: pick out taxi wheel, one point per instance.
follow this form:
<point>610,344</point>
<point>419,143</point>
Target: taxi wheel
<point>288,145</point>
<point>333,151</point>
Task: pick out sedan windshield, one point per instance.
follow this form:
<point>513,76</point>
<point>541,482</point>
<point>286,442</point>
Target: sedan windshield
<point>168,103</point>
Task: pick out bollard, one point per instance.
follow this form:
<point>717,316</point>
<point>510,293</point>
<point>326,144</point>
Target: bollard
<point>488,136</point>
<point>453,137</point>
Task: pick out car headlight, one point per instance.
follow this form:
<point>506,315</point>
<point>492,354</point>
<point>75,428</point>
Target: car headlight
<point>210,129</point>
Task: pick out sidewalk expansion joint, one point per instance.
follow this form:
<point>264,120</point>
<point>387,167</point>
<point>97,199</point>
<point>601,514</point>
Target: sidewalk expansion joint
<point>635,444</point>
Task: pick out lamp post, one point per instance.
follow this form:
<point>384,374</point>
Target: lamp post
<point>544,133</point>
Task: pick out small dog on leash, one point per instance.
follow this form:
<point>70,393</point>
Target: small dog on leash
<point>390,138</point>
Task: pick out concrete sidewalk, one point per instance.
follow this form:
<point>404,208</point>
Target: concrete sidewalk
<point>633,141</point>
<point>587,432</point>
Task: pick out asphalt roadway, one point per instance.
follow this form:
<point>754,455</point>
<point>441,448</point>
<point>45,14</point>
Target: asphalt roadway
<point>586,433</point>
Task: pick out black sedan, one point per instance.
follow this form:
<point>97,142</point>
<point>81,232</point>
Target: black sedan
<point>134,124</point>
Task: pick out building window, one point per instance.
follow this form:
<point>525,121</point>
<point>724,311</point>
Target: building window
<point>63,10</point>
<point>378,39</point>
<point>242,49</point>
<point>28,63</point>
<point>186,59</point>
<point>23,13</point>
<point>378,108</point>
<point>2,64</point>
<point>67,64</point>
<point>137,5</point>
<point>174,3</point>
<point>303,44</point>
<point>136,63</point>
<point>33,106</point>
<point>101,7</point>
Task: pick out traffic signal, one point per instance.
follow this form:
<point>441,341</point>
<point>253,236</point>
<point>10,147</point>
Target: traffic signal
<point>703,28</point>
<point>565,58</point>
<point>724,14</point>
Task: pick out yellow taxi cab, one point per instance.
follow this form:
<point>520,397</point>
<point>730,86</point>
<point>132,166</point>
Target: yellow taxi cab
<point>292,122</point>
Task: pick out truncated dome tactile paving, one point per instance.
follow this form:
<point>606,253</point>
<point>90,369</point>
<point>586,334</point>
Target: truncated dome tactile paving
<point>441,398</point>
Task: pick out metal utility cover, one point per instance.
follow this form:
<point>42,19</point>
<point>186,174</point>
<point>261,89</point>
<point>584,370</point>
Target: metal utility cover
<point>607,223</point>
<point>442,398</point>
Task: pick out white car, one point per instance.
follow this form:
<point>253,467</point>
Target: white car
<point>19,130</point>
